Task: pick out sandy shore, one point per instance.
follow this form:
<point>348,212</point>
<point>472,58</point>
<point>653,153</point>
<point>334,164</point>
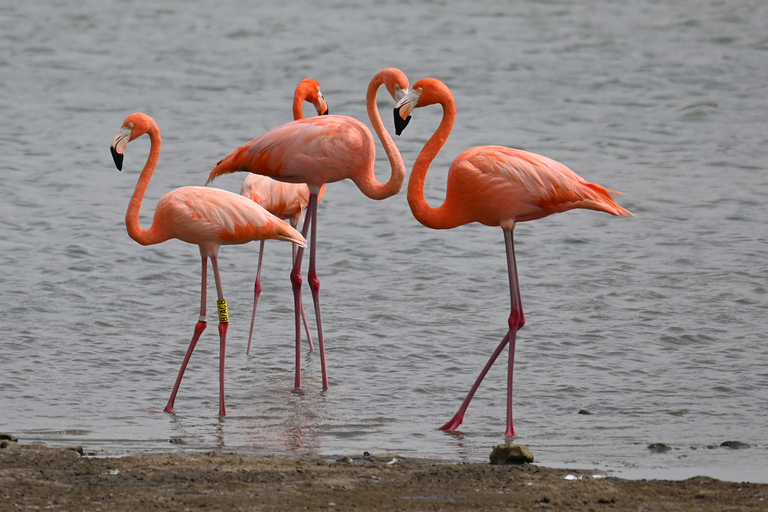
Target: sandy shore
<point>37,477</point>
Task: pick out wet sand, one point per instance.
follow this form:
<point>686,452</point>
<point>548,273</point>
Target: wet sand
<point>37,477</point>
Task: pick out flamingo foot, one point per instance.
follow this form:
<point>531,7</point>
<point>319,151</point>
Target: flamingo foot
<point>454,423</point>
<point>510,432</point>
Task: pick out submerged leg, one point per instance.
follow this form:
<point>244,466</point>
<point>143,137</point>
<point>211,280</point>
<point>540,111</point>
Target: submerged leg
<point>199,328</point>
<point>314,285</point>
<point>516,322</point>
<point>256,293</point>
<point>223,325</point>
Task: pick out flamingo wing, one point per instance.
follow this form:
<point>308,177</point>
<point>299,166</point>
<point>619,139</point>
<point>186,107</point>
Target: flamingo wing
<point>518,186</point>
<point>206,216</point>
<point>284,200</point>
<point>314,151</point>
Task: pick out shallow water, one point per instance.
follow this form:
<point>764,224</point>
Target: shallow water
<point>654,324</point>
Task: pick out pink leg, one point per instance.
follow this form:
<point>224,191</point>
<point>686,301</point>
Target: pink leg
<point>303,313</point>
<point>296,283</point>
<point>223,325</point>
<point>314,285</point>
<point>458,418</point>
<point>516,322</point>
<point>199,328</point>
<point>256,293</point>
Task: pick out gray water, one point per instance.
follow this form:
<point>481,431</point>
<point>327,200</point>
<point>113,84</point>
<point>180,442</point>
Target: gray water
<point>654,324</point>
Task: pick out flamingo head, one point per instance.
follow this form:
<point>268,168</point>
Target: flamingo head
<point>134,126</point>
<point>309,89</point>
<point>395,81</point>
<point>318,100</point>
<point>426,91</point>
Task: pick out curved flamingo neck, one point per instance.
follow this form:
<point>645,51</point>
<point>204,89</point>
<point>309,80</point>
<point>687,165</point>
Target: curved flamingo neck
<point>298,103</point>
<point>367,183</point>
<point>440,217</point>
<point>153,235</point>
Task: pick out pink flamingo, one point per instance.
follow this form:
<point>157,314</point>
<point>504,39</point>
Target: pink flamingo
<point>284,200</point>
<point>207,217</point>
<point>496,186</point>
<point>317,151</point>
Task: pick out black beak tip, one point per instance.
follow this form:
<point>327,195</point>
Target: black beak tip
<point>400,123</point>
<point>117,157</point>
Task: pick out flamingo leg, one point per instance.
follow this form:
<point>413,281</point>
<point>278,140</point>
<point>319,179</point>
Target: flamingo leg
<point>256,293</point>
<point>199,328</point>
<point>516,322</point>
<point>314,285</point>
<point>303,313</point>
<point>223,325</point>
<point>296,284</point>
<point>458,418</point>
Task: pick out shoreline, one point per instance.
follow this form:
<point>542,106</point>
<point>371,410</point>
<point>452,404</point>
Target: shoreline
<point>38,476</point>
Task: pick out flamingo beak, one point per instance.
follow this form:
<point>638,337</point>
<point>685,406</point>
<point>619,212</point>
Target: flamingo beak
<point>117,157</point>
<point>321,106</point>
<point>118,146</point>
<point>404,107</point>
<point>401,121</point>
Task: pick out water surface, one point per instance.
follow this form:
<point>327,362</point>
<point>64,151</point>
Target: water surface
<point>654,324</point>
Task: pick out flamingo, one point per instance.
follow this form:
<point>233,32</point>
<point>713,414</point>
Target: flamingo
<point>317,151</point>
<point>204,216</point>
<point>284,200</point>
<point>495,186</point>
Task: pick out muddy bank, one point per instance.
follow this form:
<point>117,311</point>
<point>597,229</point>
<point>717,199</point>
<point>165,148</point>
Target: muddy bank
<point>38,477</point>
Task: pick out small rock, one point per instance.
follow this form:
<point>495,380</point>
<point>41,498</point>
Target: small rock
<point>659,447</point>
<point>511,454</point>
<point>734,445</point>
<point>384,458</point>
<point>9,445</point>
<point>74,448</point>
<point>584,411</point>
<point>4,436</point>
<point>345,460</point>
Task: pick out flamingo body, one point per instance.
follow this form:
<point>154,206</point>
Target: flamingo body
<point>314,151</point>
<point>211,217</point>
<point>499,186</point>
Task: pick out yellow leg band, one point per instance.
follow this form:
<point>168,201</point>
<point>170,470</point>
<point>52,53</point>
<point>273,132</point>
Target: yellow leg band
<point>223,311</point>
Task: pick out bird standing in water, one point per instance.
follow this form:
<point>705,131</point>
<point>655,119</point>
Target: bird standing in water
<point>496,186</point>
<point>317,151</point>
<point>207,217</point>
<point>284,200</point>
